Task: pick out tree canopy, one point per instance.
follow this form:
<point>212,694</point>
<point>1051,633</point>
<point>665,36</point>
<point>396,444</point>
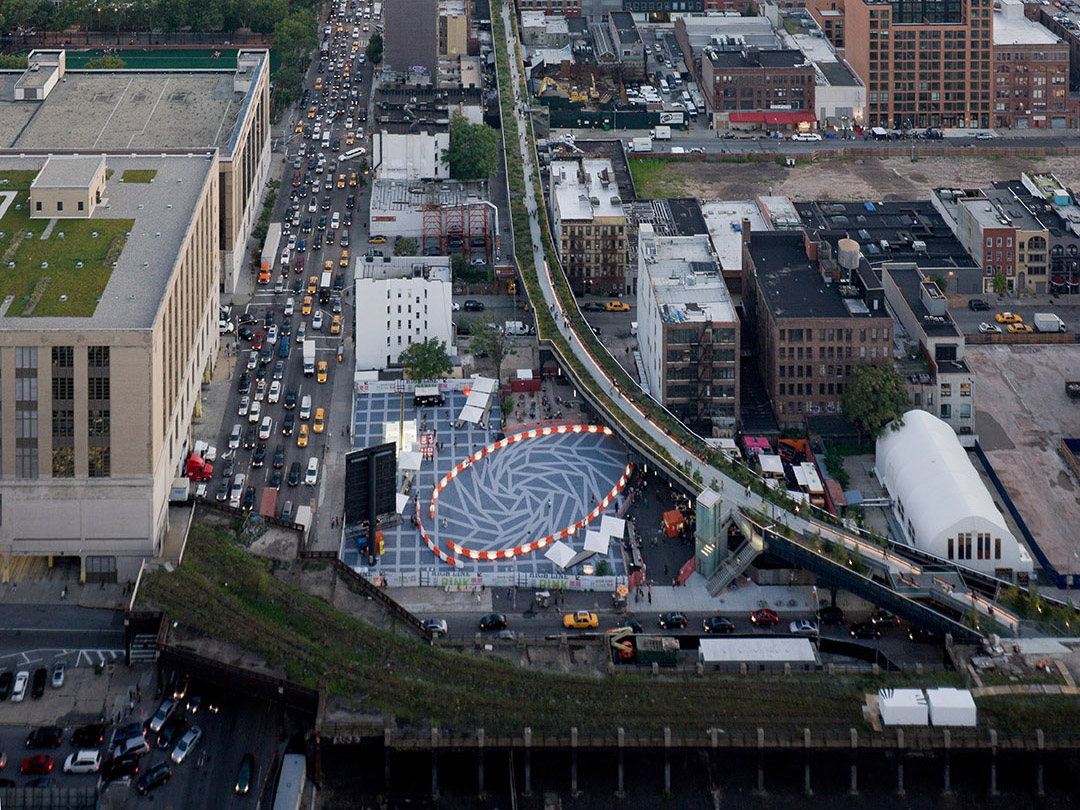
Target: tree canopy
<point>474,150</point>
<point>374,50</point>
<point>406,246</point>
<point>874,396</point>
<point>426,361</point>
<point>488,336</point>
<point>110,62</point>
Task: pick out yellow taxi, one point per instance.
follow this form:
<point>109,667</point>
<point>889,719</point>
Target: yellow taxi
<point>1008,317</point>
<point>312,285</point>
<point>617,306</point>
<point>328,265</point>
<point>341,181</point>
<point>1020,328</point>
<point>302,436</point>
<point>376,240</point>
<point>581,620</point>
<point>344,261</point>
<point>350,138</point>
<point>320,421</point>
<point>300,125</point>
<point>335,325</point>
<point>305,308</point>
<point>353,180</point>
<point>312,111</point>
<point>321,371</point>
<point>318,83</point>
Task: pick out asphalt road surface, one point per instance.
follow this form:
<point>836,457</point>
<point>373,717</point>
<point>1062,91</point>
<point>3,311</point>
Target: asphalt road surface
<point>45,633</point>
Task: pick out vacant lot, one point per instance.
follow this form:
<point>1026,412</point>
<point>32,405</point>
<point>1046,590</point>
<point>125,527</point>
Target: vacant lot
<point>894,178</point>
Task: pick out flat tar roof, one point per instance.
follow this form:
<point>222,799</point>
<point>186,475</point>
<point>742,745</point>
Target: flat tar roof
<point>404,195</point>
<point>908,281</point>
<point>124,110</point>
<point>575,199</point>
<point>162,211</point>
<point>722,218</point>
<point>68,171</point>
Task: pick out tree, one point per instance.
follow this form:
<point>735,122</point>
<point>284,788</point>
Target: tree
<point>941,280</point>
<point>488,336</point>
<point>458,265</point>
<point>474,150</point>
<point>374,50</point>
<point>426,361</point>
<point>873,397</point>
<point>9,61</point>
<point>110,62</point>
<point>405,246</point>
<point>999,282</point>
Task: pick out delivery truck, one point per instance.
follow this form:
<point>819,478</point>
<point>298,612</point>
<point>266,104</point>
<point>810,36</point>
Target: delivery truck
<point>269,251</point>
<point>197,468</point>
<point>309,358</point>
<point>517,328</point>
<point>662,133</point>
<point>1048,322</point>
<point>641,145</point>
<point>268,502</point>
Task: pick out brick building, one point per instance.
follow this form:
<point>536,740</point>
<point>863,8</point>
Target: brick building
<point>753,79</point>
<point>1031,73</point>
<point>925,63</point>
<point>812,318</point>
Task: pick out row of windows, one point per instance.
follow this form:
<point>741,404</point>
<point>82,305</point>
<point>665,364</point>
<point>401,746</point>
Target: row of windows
<point>807,389</point>
<point>60,205</point>
<point>587,230</point>
<point>961,549</point>
<point>844,335</point>
<point>823,353</point>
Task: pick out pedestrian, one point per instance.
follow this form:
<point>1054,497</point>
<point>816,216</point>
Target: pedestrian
<point>650,594</point>
<point>63,593</point>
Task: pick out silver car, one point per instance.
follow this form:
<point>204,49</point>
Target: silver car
<point>186,744</point>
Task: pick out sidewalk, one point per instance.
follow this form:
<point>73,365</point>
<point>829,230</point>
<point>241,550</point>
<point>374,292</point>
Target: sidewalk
<point>47,591</point>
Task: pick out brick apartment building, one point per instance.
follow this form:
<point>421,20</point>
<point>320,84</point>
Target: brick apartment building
<point>753,79</point>
<point>925,63</point>
<point>812,319</point>
<point>1031,73</point>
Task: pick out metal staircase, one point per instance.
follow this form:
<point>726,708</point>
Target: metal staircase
<point>733,566</point>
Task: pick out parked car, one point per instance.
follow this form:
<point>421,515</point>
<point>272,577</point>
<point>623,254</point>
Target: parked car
<point>803,627</point>
<point>86,760</point>
<point>764,617</point>
<point>45,737</point>
<point>7,679</point>
<point>155,776</point>
<point>37,688</point>
<point>58,673</point>
<point>37,764</point>
<point>632,623</point>
<point>473,306</point>
<point>493,621</point>
<point>672,621</point>
<point>718,624</point>
<point>88,736</point>
<point>978,305</point>
<point>830,614</point>
<point>593,306</point>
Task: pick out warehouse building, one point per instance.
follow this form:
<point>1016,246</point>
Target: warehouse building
<point>939,501</point>
<point>104,352</point>
<point>225,112</point>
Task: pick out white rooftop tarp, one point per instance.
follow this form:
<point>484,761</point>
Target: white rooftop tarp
<point>484,385</point>
<point>560,554</point>
<point>756,650</point>
<point>524,374</point>
<point>478,399</point>
<point>771,464</point>
<point>471,414</point>
<point>951,707</point>
<point>613,527</point>
<point>596,542</point>
<point>410,460</point>
<point>903,707</point>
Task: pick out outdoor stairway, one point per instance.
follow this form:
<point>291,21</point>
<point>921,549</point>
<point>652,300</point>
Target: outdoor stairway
<point>732,567</point>
<point>144,649</point>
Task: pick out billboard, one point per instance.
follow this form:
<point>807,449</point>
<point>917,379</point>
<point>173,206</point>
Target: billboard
<point>370,482</point>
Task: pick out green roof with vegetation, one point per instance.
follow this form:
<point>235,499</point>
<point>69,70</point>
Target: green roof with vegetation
<point>138,176</point>
<point>42,277</point>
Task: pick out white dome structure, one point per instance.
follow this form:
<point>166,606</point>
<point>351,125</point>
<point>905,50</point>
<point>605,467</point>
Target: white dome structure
<point>939,500</point>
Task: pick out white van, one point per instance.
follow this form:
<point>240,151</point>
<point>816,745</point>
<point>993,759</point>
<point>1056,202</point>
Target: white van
<point>236,494</point>
<point>305,407</point>
<point>326,140</point>
<point>664,87</point>
<point>311,477</point>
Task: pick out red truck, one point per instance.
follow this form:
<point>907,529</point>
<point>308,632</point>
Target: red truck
<point>198,469</point>
<point>268,502</point>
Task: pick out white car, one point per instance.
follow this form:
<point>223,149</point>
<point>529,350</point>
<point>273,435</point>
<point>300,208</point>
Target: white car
<point>87,760</point>
<point>301,332</point>
<point>255,413</point>
<point>456,307</point>
<point>316,321</point>
<point>245,405</point>
<point>806,136</point>
<point>311,477</point>
<point>803,627</point>
<point>167,707</point>
<point>290,307</point>
<point>253,361</point>
<point>275,392</point>
<point>234,436</point>
<point>271,334</point>
<point>266,428</point>
<point>18,691</point>
<point>186,744</point>
<point>989,328</point>
<point>260,390</point>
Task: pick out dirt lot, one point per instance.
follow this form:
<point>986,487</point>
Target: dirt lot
<point>893,178</point>
<point>1022,413</point>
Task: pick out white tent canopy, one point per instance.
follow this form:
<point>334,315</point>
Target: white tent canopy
<point>478,399</point>
<point>613,527</point>
<point>903,707</point>
<point>596,542</point>
<point>402,501</point>
<point>484,385</point>
<point>409,461</point>
<point>771,464</point>
<point>560,554</point>
<point>951,707</point>
<point>471,414</point>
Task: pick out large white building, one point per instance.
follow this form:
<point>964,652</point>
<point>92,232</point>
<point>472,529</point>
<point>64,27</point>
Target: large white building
<point>400,300</point>
<point>940,502</point>
<point>410,152</point>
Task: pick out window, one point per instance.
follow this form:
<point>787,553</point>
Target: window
<point>98,462</point>
<point>946,389</point>
<point>63,423</point>
<point>98,422</point>
<point>63,356</point>
<point>26,462</point>
<point>26,423</point>
<point>63,462</point>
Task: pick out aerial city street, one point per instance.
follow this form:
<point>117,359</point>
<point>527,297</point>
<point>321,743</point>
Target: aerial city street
<point>537,404</point>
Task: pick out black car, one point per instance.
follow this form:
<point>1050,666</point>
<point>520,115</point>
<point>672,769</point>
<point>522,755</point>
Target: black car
<point>719,624</point>
<point>245,333</point>
<point>249,499</point>
<point>593,306</point>
<point>339,282</point>
<point>154,776</point>
<point>37,687</point>
<point>317,244</point>
<point>279,457</point>
<point>883,618</point>
<point>493,621</point>
<point>7,783</point>
<point>172,730</point>
<point>294,474</point>
<point>223,490</point>
<point>250,437</point>
<point>978,305</point>
<point>672,621</point>
<point>119,767</point>
<point>287,424</point>
<point>350,201</point>
<point>245,383</point>
<point>43,782</point>
<point>298,283</point>
<point>230,464</point>
<point>88,736</point>
<point>6,681</point>
<point>290,399</point>
<point>473,306</point>
<point>864,630</point>
<point>286,329</point>
<point>921,636</point>
<point>259,457</point>
<point>830,614</point>
<point>246,775</point>
<point>633,624</point>
<point>45,737</point>
<point>275,479</point>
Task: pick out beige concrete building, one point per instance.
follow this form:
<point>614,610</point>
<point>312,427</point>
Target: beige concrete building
<point>100,372</point>
<point>50,107</point>
<point>590,225</point>
<point>66,188</point>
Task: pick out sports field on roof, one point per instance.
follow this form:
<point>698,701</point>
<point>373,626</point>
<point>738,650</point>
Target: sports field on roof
<point>167,58</point>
